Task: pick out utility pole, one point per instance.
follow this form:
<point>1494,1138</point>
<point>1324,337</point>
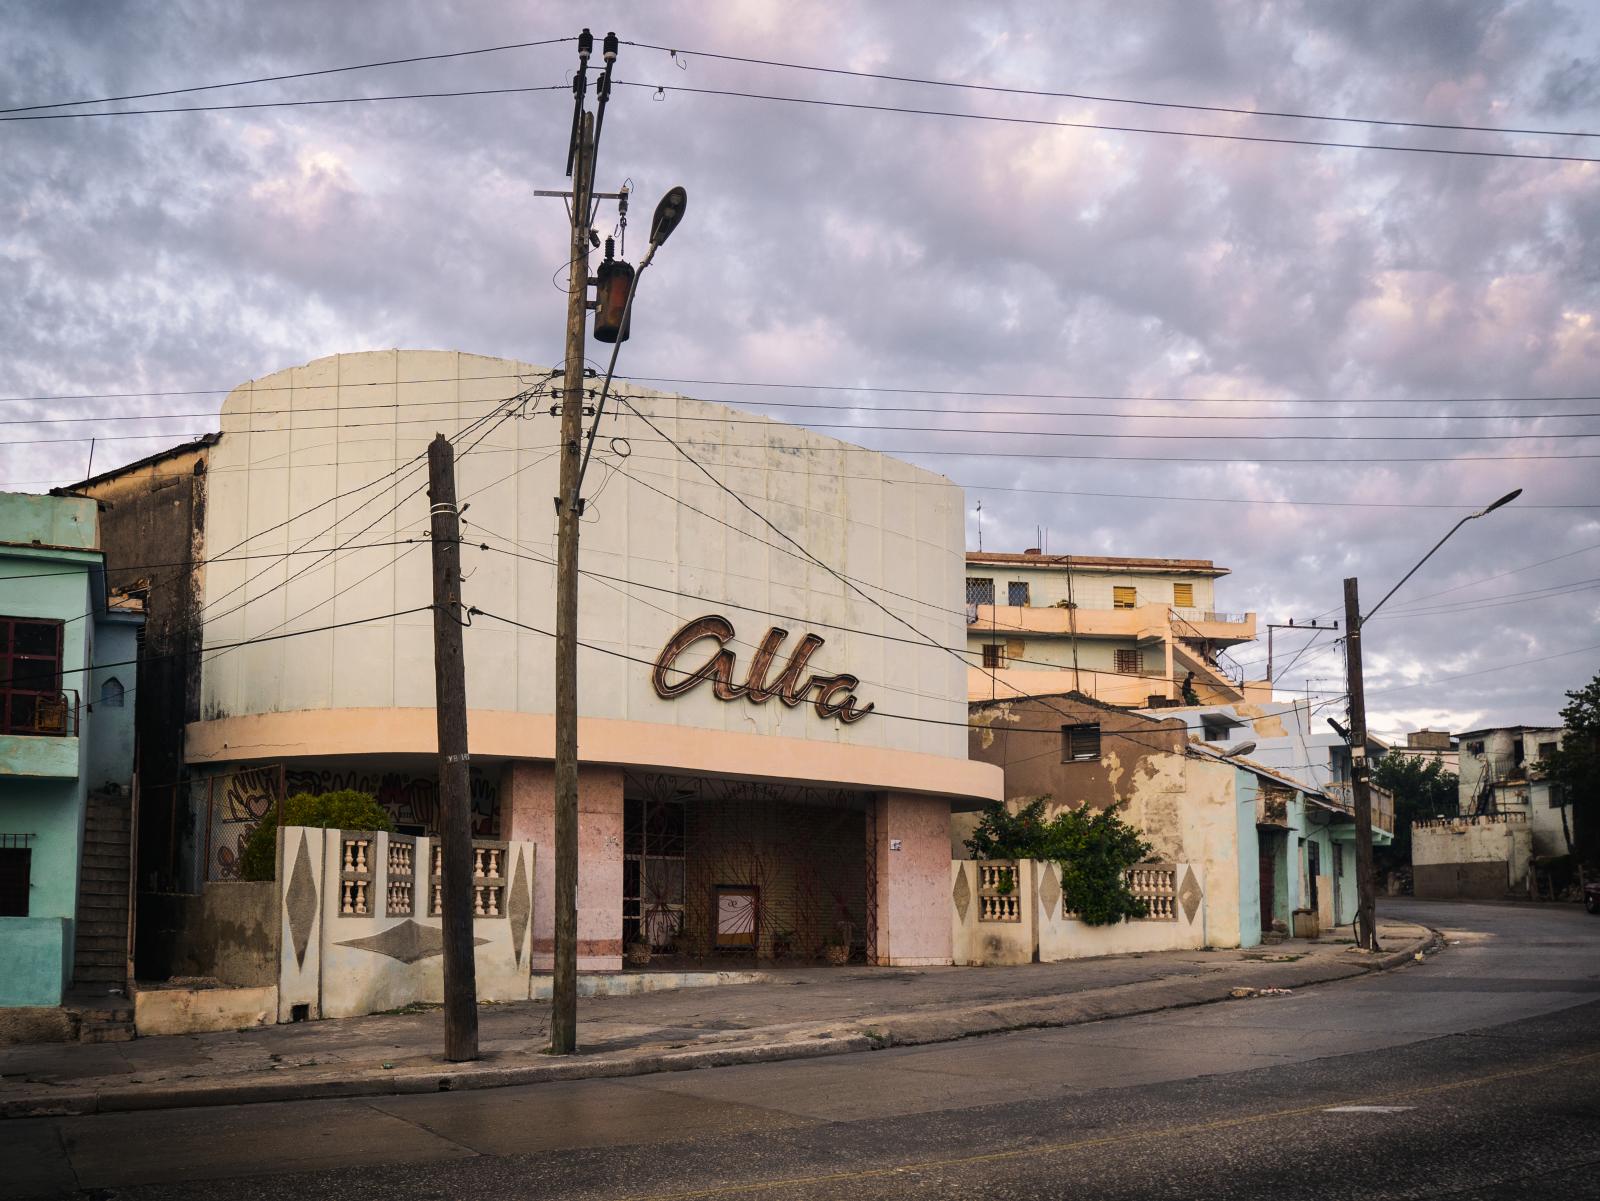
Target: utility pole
<point>1305,625</point>
<point>564,984</point>
<point>450,703</point>
<point>1361,796</point>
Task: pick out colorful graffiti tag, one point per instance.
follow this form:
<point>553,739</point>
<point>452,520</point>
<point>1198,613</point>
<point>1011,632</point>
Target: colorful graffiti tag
<point>241,799</point>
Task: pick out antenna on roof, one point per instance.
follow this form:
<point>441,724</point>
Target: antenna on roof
<point>980,527</point>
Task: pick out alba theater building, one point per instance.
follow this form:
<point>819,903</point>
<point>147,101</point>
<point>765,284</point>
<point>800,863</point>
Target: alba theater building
<point>770,750</point>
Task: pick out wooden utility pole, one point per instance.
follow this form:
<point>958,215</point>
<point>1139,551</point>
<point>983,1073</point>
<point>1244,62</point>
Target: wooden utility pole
<point>455,803</point>
<point>569,508</point>
<point>1361,796</point>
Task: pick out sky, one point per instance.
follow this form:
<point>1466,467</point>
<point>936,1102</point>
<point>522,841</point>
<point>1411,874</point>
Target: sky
<point>1310,310</point>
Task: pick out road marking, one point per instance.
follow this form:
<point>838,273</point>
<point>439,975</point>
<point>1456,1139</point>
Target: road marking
<point>1018,1153</point>
<point>1369,1109</point>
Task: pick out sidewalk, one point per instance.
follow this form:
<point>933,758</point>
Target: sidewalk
<point>793,1013</point>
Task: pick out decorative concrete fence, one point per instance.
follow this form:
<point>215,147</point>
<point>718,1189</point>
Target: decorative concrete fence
<point>1015,912</point>
<point>359,921</point>
<point>993,918</point>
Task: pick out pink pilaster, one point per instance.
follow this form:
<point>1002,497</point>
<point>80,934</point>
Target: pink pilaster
<point>909,842</point>
<point>527,806</point>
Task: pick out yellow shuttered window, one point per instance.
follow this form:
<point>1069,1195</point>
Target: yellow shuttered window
<point>1124,598</point>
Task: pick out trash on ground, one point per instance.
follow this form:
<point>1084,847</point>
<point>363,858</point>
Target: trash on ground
<point>1243,991</point>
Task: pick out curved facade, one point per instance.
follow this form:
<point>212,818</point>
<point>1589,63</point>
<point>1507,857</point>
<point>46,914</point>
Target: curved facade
<point>791,682</point>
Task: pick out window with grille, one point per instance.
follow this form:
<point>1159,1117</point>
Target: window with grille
<point>30,675</point>
<point>994,655</point>
<point>15,866</point>
<point>652,871</point>
<point>980,591</point>
<point>1183,596</point>
<point>1079,743</point>
<point>1124,597</point>
<point>1130,663</point>
<point>1017,594</point>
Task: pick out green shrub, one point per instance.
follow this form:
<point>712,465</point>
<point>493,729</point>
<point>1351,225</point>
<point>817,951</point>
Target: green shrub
<point>1094,850</point>
<point>346,809</point>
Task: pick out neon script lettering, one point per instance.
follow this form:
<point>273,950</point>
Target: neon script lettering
<point>832,696</point>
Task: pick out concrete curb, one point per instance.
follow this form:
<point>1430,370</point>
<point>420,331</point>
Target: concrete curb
<point>909,1029</point>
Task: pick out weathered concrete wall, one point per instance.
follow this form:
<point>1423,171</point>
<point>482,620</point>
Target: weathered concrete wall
<point>228,932</point>
<point>528,814</point>
<point>152,520</point>
<point>198,1010</point>
<point>1470,857</point>
<point>1139,756</point>
<point>908,844</point>
<point>358,931</point>
<point>974,940</point>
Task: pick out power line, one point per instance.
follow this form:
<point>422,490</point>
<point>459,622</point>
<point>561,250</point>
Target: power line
<point>1057,95</point>
<point>219,108</point>
<point>844,406</point>
<point>252,387</point>
<point>992,454</point>
<point>338,625</point>
<point>860,106</point>
<point>241,83</point>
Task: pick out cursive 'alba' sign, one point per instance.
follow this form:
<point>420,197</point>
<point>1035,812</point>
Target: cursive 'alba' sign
<point>832,696</point>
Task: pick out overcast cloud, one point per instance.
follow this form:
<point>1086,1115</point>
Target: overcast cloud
<point>837,246</point>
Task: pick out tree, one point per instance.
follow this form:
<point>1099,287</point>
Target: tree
<point>345,809</point>
<point>1422,789</point>
<point>1094,850</point>
<point>1574,768</point>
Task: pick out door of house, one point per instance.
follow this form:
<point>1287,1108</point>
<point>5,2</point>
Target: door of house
<point>1269,869</point>
<point>1313,870</point>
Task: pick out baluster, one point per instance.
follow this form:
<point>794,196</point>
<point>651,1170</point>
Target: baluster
<point>361,855</point>
<point>477,863</point>
<point>494,862</point>
<point>349,864</point>
<point>494,902</point>
<point>345,906</point>
<point>477,900</point>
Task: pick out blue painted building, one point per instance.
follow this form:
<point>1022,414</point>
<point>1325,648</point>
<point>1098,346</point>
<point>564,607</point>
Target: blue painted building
<point>67,674</point>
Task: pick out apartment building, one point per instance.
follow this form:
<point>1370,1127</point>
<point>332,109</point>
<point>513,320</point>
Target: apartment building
<point>1500,776</point>
<point>1126,631</point>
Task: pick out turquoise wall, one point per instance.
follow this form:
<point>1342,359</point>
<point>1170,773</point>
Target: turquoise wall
<point>37,955</point>
<point>1244,785</point>
<point>109,728</point>
<point>42,786</point>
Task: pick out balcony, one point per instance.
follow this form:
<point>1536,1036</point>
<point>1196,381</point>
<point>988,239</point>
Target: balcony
<point>39,733</point>
<point>1205,625</point>
<point>1147,621</point>
<point>1382,803</point>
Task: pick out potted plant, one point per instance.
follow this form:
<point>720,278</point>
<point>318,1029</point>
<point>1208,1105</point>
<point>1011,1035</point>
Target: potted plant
<point>638,954</point>
<point>836,950</point>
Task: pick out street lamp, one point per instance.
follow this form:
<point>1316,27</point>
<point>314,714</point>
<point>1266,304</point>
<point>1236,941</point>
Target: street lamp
<point>1360,796</point>
<point>669,211</point>
<point>1244,748</point>
<point>1504,500</point>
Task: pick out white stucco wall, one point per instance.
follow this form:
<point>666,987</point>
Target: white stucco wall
<point>891,527</point>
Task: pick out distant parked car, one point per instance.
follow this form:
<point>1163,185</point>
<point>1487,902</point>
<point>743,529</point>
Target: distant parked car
<point>1591,896</point>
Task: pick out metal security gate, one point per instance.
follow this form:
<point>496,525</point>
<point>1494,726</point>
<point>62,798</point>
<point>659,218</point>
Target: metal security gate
<point>728,867</point>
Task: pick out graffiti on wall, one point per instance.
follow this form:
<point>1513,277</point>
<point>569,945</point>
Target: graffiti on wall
<point>241,799</point>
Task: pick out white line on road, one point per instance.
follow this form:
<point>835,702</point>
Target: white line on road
<point>1369,1109</point>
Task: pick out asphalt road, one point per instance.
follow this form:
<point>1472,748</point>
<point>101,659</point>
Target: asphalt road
<point>1474,1075</point>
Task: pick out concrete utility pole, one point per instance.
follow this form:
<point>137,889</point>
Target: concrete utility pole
<point>564,985</point>
<point>455,802</point>
<point>1360,794</point>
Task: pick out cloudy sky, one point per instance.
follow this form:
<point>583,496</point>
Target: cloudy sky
<point>1220,295</point>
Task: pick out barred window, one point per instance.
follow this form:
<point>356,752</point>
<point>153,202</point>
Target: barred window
<point>980,591</point>
<point>1080,743</point>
